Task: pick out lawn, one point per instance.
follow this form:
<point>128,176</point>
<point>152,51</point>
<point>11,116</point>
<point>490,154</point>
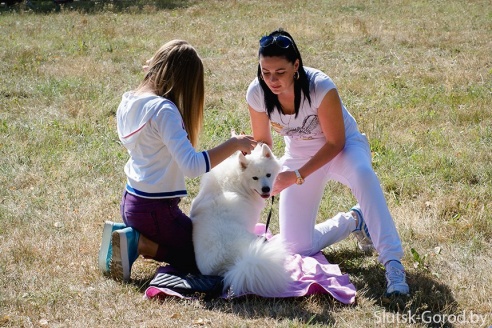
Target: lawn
<point>416,75</point>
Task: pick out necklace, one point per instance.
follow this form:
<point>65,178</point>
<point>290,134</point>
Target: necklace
<point>284,112</point>
<point>288,122</point>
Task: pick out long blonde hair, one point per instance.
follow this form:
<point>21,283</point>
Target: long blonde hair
<point>176,73</point>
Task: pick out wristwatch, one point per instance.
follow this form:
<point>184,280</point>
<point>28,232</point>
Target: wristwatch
<point>300,179</point>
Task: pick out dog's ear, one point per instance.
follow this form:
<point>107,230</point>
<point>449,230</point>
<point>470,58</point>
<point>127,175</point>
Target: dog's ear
<point>243,161</point>
<point>266,151</point>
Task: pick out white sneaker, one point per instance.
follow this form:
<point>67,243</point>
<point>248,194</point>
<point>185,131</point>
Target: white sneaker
<point>361,232</point>
<point>124,253</point>
<point>396,279</point>
<point>106,249</point>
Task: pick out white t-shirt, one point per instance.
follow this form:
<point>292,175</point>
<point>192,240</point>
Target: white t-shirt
<point>304,132</point>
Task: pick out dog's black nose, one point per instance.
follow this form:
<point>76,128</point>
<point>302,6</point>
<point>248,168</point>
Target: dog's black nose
<point>265,189</point>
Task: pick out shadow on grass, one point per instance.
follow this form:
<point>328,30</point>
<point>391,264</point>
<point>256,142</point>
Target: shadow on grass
<point>308,310</point>
<point>299,309</point>
<point>252,306</point>
<point>430,301</point>
<point>90,6</point>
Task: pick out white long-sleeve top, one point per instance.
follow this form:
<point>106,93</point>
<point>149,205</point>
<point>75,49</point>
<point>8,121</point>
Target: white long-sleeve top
<point>161,155</point>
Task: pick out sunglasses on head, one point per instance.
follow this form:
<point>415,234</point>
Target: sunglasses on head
<point>279,40</point>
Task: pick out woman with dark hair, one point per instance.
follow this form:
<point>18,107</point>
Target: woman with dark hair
<point>322,143</point>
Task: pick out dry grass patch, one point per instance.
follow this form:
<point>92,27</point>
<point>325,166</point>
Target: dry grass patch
<point>416,75</point>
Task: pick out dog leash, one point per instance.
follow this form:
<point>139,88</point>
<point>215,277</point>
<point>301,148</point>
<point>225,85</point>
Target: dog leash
<point>269,217</point>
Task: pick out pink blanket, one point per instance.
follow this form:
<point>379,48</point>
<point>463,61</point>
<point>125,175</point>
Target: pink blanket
<point>311,275</point>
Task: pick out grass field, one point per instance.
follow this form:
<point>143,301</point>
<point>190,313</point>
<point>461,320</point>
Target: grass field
<point>416,75</point>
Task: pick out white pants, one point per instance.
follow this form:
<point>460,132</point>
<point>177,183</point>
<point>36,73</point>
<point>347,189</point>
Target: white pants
<point>298,206</point>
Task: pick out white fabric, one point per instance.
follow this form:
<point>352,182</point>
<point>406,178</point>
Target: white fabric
<point>161,155</point>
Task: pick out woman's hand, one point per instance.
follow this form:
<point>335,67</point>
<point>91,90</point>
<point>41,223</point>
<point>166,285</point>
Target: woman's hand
<point>284,180</point>
<point>245,143</point>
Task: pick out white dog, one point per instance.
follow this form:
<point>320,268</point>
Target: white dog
<point>224,214</point>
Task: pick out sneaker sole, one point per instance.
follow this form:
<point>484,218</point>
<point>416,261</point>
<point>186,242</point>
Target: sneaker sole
<point>396,294</point>
<point>119,266</point>
<point>104,250</point>
<point>115,266</point>
<point>367,248</point>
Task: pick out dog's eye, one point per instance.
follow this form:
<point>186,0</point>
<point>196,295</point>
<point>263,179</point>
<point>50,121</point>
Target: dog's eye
<point>255,178</point>
<point>268,175</point>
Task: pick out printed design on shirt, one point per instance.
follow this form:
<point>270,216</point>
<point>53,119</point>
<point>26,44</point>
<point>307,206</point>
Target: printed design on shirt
<point>309,129</point>
<point>308,125</point>
<point>277,127</point>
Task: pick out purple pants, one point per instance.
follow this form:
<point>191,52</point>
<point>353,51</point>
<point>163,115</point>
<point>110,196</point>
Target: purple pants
<point>163,222</point>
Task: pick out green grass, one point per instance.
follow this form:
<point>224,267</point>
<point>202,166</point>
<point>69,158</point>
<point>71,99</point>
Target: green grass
<point>416,75</point>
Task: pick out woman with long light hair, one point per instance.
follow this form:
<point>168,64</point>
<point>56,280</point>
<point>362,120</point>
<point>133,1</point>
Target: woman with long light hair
<point>159,124</point>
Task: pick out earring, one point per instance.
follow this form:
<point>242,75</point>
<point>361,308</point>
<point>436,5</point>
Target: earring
<point>261,76</point>
<point>296,75</point>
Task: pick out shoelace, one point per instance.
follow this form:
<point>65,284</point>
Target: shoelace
<point>395,275</point>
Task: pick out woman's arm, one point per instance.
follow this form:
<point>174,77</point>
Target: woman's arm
<point>174,136</point>
<point>260,125</point>
<point>331,120</point>
<point>243,143</point>
<point>330,116</point>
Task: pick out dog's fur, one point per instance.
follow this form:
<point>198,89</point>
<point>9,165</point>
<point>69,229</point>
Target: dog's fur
<point>224,214</point>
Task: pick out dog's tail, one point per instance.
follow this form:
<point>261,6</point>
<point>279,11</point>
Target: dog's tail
<point>260,269</point>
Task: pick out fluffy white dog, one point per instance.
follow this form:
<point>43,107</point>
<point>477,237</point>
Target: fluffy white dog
<point>224,214</point>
